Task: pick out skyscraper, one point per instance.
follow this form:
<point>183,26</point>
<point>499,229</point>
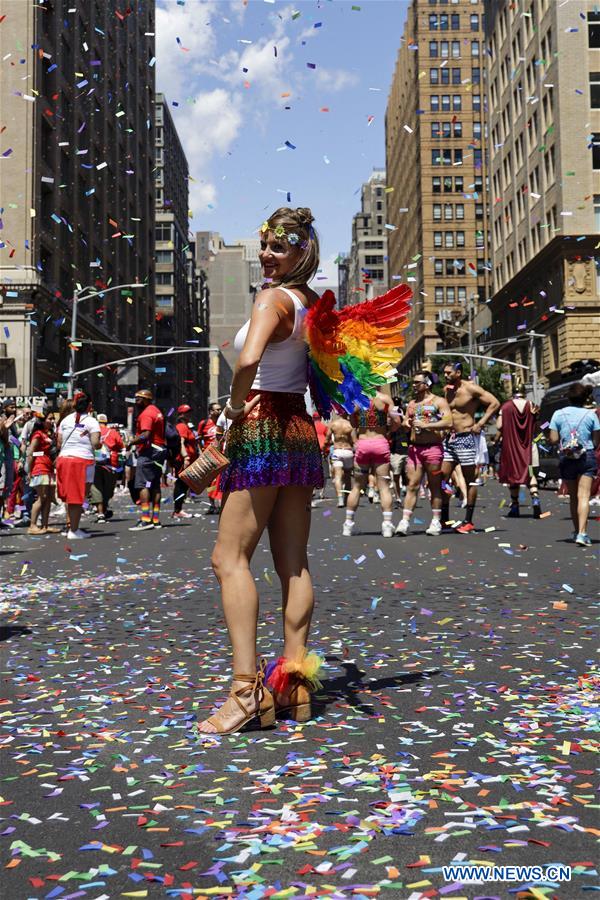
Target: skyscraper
<point>435,163</point>
<point>77,101</point>
<point>368,263</point>
<point>544,125</point>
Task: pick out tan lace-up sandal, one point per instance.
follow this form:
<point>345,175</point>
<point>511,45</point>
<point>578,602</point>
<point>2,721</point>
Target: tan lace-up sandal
<point>264,708</point>
<point>292,682</point>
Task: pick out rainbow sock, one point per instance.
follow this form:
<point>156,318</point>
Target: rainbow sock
<point>146,515</point>
<point>156,514</point>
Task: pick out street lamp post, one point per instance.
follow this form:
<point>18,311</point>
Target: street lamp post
<point>76,301</point>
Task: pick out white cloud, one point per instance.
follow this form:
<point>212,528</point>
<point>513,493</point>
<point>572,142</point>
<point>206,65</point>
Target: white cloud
<point>336,79</point>
<point>177,64</point>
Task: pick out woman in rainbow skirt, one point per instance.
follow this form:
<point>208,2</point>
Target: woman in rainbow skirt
<point>275,464</point>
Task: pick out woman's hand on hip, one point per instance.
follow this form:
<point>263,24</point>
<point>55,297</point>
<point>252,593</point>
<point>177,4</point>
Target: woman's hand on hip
<point>235,414</point>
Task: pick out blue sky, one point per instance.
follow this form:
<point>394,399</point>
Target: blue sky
<point>233,123</point>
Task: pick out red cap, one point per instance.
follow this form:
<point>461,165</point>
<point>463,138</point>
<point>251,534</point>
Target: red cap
<point>184,408</point>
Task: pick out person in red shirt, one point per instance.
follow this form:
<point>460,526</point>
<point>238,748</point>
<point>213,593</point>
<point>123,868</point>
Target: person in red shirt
<point>107,468</point>
<point>207,435</point>
<point>187,455</point>
<point>151,456</point>
<point>42,477</point>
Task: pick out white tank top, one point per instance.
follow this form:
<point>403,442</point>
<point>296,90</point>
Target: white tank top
<point>284,364</point>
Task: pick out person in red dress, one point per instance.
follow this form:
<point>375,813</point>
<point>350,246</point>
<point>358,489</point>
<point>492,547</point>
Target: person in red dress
<point>516,423</point>
<point>186,456</point>
<point>207,435</point>
<point>42,476</point>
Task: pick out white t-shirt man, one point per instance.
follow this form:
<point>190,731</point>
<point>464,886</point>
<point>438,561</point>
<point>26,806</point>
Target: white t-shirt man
<point>76,437</point>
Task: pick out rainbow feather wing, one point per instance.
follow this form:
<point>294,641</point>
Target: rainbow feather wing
<point>354,351</point>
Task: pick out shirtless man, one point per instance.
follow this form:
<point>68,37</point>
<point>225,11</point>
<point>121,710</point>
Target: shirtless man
<point>460,447</point>
<point>372,451</point>
<point>427,418</point>
<point>340,432</point>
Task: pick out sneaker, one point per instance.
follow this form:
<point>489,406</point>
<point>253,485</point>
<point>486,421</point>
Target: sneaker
<point>348,529</point>
<point>584,540</point>
<point>108,514</point>
<point>435,528</point>
<point>403,526</point>
<point>387,529</point>
<point>573,536</point>
<point>100,519</point>
<point>514,512</point>
<point>156,525</point>
<point>78,535</point>
<point>537,509</point>
<point>314,503</point>
<point>465,528</point>
<point>142,526</point>
<point>181,515</point>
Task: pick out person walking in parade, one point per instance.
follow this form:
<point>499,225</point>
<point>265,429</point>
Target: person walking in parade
<point>40,464</point>
<point>107,469</point>
<point>516,424</point>
<point>151,456</point>
<point>207,435</point>
<point>187,455</point>
<point>78,438</point>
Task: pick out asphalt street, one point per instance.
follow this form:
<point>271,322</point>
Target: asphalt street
<point>456,720</point>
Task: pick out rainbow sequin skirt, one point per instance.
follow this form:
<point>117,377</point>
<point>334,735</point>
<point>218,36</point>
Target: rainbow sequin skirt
<point>274,445</point>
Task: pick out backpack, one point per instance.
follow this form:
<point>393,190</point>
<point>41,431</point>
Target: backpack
<point>572,448</point>
<point>173,439</point>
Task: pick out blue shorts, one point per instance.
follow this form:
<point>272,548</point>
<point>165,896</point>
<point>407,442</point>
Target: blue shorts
<point>572,469</point>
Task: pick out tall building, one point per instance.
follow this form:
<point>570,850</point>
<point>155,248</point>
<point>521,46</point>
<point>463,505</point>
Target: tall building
<point>435,162</point>
<point>77,186</point>
<point>234,274</point>
<point>200,392</point>
<point>368,264</point>
<point>543,82</point>
<point>343,264</point>
<point>176,380</point>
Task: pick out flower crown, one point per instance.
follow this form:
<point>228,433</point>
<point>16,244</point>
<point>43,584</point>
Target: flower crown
<point>280,232</point>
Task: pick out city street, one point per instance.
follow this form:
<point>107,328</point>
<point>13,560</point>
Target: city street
<point>456,722</point>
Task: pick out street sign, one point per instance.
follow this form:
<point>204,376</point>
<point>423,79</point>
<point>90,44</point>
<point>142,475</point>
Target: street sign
<point>60,385</point>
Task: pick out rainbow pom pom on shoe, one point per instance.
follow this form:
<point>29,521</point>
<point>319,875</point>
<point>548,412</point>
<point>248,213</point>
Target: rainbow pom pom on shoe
<point>292,681</point>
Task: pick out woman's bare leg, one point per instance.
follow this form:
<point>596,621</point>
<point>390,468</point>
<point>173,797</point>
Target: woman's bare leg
<point>289,527</point>
<point>382,473</point>
<point>244,517</point>
<point>584,487</point>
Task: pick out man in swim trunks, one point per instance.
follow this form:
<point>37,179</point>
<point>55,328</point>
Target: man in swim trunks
<point>372,451</point>
<point>340,432</point>
<point>460,447</point>
<point>427,418</point>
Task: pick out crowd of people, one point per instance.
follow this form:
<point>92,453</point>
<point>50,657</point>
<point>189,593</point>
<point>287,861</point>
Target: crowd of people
<point>433,447</point>
<point>72,461</point>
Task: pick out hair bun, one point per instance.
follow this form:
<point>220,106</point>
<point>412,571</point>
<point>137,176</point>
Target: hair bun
<point>305,216</point>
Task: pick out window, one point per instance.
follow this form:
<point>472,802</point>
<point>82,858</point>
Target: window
<point>456,102</point>
<point>595,90</point>
<point>477,130</point>
<point>445,73</point>
<point>444,22</point>
<point>164,256</point>
<point>437,212</point>
<point>596,152</point>
<point>458,157</point>
<point>433,22</point>
<point>439,295</point>
<point>457,129</point>
<point>476,102</point>
<point>164,278</point>
<point>448,240</point>
<point>448,185</point>
<point>477,158</point>
<point>474,20</point>
<point>434,76</point>
<point>438,267</point>
<point>450,295</point>
<point>461,293</point>
<point>165,302</point>
<point>447,129</point>
<point>435,130</point>
<point>476,75</point>
<point>444,49</point>
<point>459,211</point>
<point>163,231</point>
<point>436,185</point>
<point>450,267</point>
<point>445,102</point>
<point>458,184</point>
<point>433,49</point>
<point>479,211</point>
<point>455,76</point>
<point>455,22</point>
<point>597,213</point>
<point>435,102</point>
<point>593,19</point>
<point>474,48</point>
<point>437,238</point>
<point>460,239</point>
<point>455,49</point>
